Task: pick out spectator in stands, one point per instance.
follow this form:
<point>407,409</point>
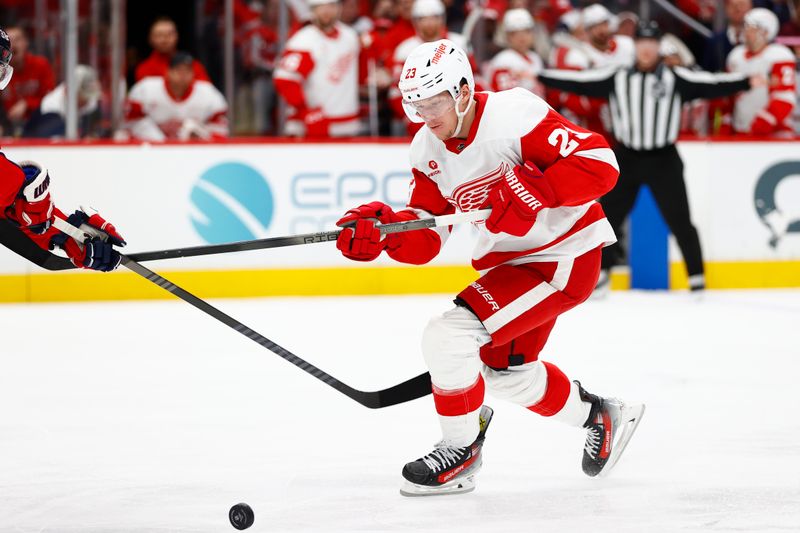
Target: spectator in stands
<point>317,76</point>
<point>175,106</point>
<point>164,41</point>
<point>50,119</point>
<point>517,65</point>
<point>33,79</point>
<point>627,21</point>
<point>764,110</point>
<point>721,43</point>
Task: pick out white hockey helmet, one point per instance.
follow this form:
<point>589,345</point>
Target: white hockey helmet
<point>6,70</point>
<point>427,8</point>
<point>571,20</point>
<point>764,19</point>
<point>517,20</point>
<point>314,3</point>
<point>596,14</point>
<point>433,68</point>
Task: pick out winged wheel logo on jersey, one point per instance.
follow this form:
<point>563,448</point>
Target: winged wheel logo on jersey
<point>471,195</point>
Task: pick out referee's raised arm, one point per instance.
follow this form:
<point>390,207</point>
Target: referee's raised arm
<point>701,84</point>
<point>598,83</point>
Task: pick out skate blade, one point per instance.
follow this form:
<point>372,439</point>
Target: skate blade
<point>457,486</point>
<point>629,418</point>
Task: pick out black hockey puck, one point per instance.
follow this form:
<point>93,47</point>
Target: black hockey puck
<point>241,516</point>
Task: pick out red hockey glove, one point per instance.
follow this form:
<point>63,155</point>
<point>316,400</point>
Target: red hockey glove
<point>97,252</point>
<point>316,123</point>
<point>33,207</point>
<point>361,240</point>
<point>516,200</point>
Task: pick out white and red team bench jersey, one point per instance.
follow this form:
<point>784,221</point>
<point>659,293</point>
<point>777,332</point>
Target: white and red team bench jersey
<point>153,114</point>
<point>773,103</point>
<point>510,128</point>
<point>319,70</point>
<point>621,52</point>
<point>509,69</point>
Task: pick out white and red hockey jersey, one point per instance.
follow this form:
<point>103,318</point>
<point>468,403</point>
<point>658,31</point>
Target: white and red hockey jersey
<point>621,52</point>
<point>319,71</point>
<point>767,109</point>
<point>509,69</point>
<point>510,128</point>
<point>152,113</point>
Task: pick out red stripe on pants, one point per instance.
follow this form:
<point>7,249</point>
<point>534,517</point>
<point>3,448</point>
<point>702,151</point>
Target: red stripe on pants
<point>459,401</point>
<point>556,394</point>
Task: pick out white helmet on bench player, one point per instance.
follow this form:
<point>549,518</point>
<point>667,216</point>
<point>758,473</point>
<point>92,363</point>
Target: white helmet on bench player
<point>763,19</point>
<point>433,68</point>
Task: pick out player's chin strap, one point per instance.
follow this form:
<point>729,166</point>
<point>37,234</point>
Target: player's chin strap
<point>461,114</point>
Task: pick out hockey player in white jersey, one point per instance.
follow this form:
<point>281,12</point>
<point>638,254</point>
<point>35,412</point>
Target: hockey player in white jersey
<point>537,254</point>
<point>176,106</point>
<point>517,65</point>
<point>764,110</point>
<point>317,76</point>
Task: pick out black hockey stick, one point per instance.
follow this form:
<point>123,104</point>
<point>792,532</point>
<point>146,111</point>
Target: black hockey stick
<point>404,392</point>
<point>12,238</point>
<point>15,240</point>
<point>307,238</point>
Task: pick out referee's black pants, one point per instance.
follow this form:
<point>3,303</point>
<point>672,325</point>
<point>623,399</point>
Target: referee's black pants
<point>662,171</point>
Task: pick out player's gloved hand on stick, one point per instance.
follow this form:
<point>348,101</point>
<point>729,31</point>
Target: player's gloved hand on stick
<point>361,240</point>
<point>97,251</point>
<point>516,199</point>
<point>33,207</point>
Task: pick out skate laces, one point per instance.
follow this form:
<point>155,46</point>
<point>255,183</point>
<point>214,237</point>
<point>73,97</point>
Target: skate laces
<point>593,439</point>
<point>442,457</point>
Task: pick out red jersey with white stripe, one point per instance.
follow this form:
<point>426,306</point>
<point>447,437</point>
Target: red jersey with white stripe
<point>319,70</point>
<point>773,103</point>
<point>510,128</point>
<point>509,69</point>
<point>153,113</point>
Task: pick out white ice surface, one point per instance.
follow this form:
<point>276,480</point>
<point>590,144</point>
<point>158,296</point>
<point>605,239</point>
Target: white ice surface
<point>153,417</point>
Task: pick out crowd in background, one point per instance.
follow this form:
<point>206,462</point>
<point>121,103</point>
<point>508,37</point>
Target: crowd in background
<point>336,74</point>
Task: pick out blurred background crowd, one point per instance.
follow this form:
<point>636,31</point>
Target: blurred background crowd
<point>209,69</point>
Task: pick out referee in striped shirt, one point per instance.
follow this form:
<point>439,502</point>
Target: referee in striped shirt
<point>645,106</point>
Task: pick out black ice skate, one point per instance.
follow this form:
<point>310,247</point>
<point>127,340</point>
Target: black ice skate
<point>447,470</point>
<point>610,426</point>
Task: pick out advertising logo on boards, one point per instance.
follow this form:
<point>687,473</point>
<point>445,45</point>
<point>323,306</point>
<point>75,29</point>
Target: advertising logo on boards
<point>766,195</point>
<point>231,201</point>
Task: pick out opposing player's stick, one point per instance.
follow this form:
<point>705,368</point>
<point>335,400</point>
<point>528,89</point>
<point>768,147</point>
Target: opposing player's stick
<point>308,238</point>
<point>15,240</point>
<point>408,390</point>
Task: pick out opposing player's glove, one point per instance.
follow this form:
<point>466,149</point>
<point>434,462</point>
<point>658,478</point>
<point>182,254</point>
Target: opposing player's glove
<point>33,207</point>
<point>316,123</point>
<point>97,252</point>
<point>361,240</point>
<point>516,199</point>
